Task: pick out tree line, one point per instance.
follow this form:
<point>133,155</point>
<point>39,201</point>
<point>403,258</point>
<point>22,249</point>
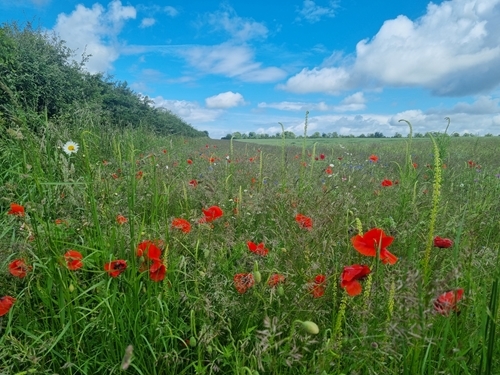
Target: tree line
<point>40,80</point>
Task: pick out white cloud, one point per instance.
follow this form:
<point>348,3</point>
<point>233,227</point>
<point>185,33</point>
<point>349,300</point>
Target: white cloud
<point>171,11</point>
<point>240,29</point>
<point>94,31</point>
<point>190,112</point>
<point>313,13</point>
<point>451,50</point>
<point>225,100</point>
<point>231,61</point>
<point>147,22</point>
<point>354,102</point>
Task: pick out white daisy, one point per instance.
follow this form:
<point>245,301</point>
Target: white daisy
<point>70,147</point>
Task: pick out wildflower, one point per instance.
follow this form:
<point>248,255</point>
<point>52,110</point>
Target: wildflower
<point>351,275</point>
<point>157,270</point>
<point>115,176</point>
<point>115,267</point>
<point>193,183</point>
<point>16,209</point>
<point>181,224</point>
<point>447,302</point>
<point>189,161</point>
<point>370,243</point>
<point>211,213</point>
<point>6,303</point>
<point>386,183</point>
<point>257,249</point>
<point>70,147</point>
<point>276,279</point>
<point>60,221</point>
<point>18,268</point>
<point>318,286</point>
<point>415,165</point>
<point>73,260</point>
<point>212,160</point>
<point>120,219</point>
<point>442,243</point>
<point>322,156</point>
<point>329,170</point>
<point>304,221</point>
<point>471,164</point>
<point>243,282</point>
<point>164,151</point>
<point>138,175</point>
<point>373,158</point>
<point>149,249</point>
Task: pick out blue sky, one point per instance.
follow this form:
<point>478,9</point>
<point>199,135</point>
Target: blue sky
<point>357,66</point>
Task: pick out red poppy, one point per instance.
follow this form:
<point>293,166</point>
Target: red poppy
<point>115,176</point>
<point>443,243</point>
<point>157,270</point>
<point>211,213</point>
<point>115,267</point>
<point>193,183</point>
<point>471,164</point>
<point>386,183</point>
<point>60,221</point>
<point>212,160</point>
<point>73,260</point>
<point>138,175</point>
<point>257,249</point>
<point>415,165</point>
<point>181,224</point>
<point>243,282</point>
<point>304,221</point>
<point>351,275</point>
<point>150,249</point>
<point>18,268</point>
<point>120,219</point>
<point>322,156</point>
<point>16,209</point>
<point>276,279</point>
<point>189,161</point>
<point>373,158</point>
<point>318,286</point>
<point>447,302</point>
<point>328,170</point>
<point>370,243</point>
<point>6,303</point>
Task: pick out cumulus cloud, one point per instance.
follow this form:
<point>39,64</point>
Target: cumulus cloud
<point>354,102</point>
<point>190,112</point>
<point>452,50</point>
<point>225,100</point>
<point>95,31</point>
<point>147,22</point>
<point>240,29</point>
<point>171,11</point>
<point>313,13</point>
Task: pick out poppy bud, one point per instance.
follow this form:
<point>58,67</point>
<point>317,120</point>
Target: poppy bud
<point>257,276</point>
<point>310,327</point>
<point>192,341</point>
<point>281,291</point>
<point>443,243</point>
<point>209,349</point>
<point>71,288</point>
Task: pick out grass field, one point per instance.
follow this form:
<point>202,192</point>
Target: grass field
<point>137,254</point>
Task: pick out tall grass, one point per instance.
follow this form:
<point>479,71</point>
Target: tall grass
<point>195,321</point>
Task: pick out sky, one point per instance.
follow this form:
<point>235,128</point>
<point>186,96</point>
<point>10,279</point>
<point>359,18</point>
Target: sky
<point>357,66</point>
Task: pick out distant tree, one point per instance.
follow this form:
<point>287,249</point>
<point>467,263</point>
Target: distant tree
<point>252,135</point>
<point>370,135</point>
<point>324,135</point>
<point>397,135</point>
<point>455,134</point>
<point>488,135</point>
<point>362,135</point>
<point>418,135</point>
<point>315,135</point>
<point>236,135</point>
<point>378,135</point>
<point>289,134</point>
<point>334,135</point>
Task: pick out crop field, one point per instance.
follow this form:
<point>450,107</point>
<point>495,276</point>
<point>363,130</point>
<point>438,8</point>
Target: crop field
<point>122,251</point>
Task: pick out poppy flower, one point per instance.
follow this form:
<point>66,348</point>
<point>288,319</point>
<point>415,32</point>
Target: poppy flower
<point>211,213</point>
<point>370,243</point>
<point>304,221</point>
<point>243,282</point>
<point>120,219</point>
<point>275,279</point>
<point>157,270</point>
<point>73,260</point>
<point>138,175</point>
<point>189,161</point>
<point>442,243</point>
<point>322,156</point>
<point>149,249</point>
<point>6,303</point>
<point>257,249</point>
<point>328,170</point>
<point>386,183</point>
<point>373,158</point>
<point>16,209</point>
<point>18,268</point>
<point>193,183</point>
<point>351,275</point>
<point>318,287</point>
<point>415,165</point>
<point>115,267</point>
<point>181,224</point>
<point>447,302</point>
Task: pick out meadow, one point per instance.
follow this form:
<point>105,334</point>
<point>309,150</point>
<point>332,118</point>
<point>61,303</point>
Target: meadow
<point>130,252</point>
